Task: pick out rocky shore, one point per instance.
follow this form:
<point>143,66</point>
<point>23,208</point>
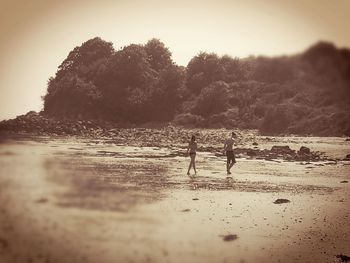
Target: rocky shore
<point>210,140</point>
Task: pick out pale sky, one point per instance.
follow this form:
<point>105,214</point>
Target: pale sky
<point>37,35</point>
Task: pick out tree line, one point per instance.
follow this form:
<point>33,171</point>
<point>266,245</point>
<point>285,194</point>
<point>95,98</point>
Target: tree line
<point>307,93</point>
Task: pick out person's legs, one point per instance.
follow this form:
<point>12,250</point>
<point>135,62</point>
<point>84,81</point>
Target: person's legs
<point>229,168</point>
<point>189,167</point>
<point>228,162</point>
<point>231,164</point>
<point>194,162</point>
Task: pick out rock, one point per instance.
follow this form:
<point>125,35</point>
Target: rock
<point>42,200</point>
<point>255,143</point>
<point>344,182</point>
<point>251,152</point>
<point>347,157</point>
<point>304,150</point>
<point>229,237</point>
<point>281,201</point>
<point>282,149</point>
<point>186,210</point>
<point>347,140</point>
<point>343,258</point>
<point>195,199</point>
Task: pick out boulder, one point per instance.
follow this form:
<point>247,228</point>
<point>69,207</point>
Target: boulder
<point>251,152</point>
<point>229,237</point>
<point>281,201</point>
<point>347,157</point>
<point>304,150</point>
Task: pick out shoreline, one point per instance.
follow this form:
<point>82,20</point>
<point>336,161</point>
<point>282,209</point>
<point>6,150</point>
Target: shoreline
<point>78,201</point>
<point>39,124</point>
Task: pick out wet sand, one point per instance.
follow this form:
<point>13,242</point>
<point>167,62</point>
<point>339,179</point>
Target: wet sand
<point>75,200</point>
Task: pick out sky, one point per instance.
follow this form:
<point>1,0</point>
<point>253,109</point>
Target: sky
<point>37,35</point>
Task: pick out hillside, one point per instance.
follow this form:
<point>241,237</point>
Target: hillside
<point>307,93</point>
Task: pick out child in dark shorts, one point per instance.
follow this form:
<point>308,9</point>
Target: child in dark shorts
<point>228,148</point>
<point>230,157</point>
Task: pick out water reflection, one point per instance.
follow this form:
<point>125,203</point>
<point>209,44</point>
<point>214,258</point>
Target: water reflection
<point>114,185</point>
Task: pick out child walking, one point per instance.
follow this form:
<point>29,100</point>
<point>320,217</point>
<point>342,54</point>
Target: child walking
<point>191,150</point>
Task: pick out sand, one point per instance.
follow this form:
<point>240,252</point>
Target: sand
<point>76,200</point>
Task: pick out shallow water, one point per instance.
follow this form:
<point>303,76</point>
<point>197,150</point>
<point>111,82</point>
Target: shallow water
<point>72,200</point>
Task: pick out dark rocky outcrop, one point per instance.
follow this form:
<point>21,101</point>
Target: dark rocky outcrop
<point>39,124</point>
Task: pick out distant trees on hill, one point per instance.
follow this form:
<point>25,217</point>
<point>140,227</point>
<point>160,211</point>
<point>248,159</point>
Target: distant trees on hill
<point>304,93</point>
<point>137,83</point>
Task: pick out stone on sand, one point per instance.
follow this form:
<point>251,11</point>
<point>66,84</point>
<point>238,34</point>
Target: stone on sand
<point>281,201</point>
<point>229,237</point>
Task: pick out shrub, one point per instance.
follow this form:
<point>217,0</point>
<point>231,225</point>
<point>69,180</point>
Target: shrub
<point>212,99</point>
<point>188,119</point>
<point>276,120</point>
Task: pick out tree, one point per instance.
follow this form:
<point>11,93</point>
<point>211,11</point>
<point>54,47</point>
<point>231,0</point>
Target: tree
<point>127,84</point>
<point>159,56</point>
<point>276,120</point>
<point>276,70</point>
<point>141,83</point>
<point>202,70</point>
<point>319,50</point>
<point>232,70</point>
<point>212,99</point>
<point>73,91</point>
<point>72,96</point>
<point>84,60</point>
<point>166,97</point>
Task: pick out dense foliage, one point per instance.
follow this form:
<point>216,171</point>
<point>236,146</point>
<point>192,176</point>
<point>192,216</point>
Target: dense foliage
<point>308,93</point>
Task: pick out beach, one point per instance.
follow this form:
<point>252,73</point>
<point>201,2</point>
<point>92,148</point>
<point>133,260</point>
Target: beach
<point>69,199</point>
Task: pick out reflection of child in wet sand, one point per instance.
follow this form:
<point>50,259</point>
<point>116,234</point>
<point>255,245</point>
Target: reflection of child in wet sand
<point>191,149</point>
<point>228,148</point>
